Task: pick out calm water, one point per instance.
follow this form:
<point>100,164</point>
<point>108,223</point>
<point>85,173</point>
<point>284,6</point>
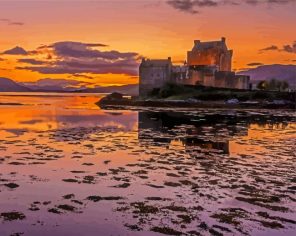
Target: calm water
<point>69,168</point>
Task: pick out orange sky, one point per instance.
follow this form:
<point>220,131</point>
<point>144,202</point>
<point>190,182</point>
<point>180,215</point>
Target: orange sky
<point>150,28</point>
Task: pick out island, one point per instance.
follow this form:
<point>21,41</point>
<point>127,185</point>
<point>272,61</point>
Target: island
<point>205,80</point>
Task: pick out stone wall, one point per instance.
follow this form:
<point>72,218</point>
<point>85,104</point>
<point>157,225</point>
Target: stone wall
<point>242,82</point>
<point>154,74</point>
<point>211,57</point>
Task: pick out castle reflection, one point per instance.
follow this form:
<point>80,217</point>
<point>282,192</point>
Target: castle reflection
<point>206,130</point>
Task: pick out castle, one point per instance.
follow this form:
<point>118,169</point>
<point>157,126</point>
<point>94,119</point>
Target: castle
<point>208,64</point>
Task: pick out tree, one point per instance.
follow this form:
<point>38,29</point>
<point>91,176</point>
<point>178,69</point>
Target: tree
<point>262,85</point>
<point>273,84</point>
<point>284,85</point>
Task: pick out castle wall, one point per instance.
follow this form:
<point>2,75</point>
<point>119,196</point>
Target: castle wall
<point>195,77</point>
<point>242,82</point>
<point>211,57</point>
<point>154,74</point>
<point>224,79</point>
<point>209,81</point>
<point>226,61</point>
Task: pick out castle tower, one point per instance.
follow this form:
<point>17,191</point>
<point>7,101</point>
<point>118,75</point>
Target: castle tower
<point>214,53</point>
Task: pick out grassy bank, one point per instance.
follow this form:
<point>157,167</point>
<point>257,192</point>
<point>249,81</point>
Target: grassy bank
<point>183,92</point>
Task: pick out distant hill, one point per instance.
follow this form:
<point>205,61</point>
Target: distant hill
<point>8,85</point>
<point>46,85</point>
<point>267,72</point>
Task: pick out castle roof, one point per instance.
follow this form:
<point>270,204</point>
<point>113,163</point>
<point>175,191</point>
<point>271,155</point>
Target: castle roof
<point>198,45</point>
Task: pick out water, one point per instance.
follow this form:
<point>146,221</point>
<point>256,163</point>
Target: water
<point>69,168</point>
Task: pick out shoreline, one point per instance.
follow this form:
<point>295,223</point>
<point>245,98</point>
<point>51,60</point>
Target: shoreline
<point>119,104</point>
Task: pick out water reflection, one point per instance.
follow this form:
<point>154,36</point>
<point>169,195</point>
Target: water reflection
<point>70,168</point>
<point>58,111</point>
<point>207,130</point>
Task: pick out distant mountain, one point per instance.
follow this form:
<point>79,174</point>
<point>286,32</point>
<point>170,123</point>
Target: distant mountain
<point>70,85</point>
<point>267,72</point>
<point>8,85</point>
<point>53,85</point>
<point>62,85</point>
<point>130,89</point>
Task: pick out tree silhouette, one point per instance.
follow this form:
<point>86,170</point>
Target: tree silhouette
<point>262,85</point>
<point>284,85</point>
<point>273,84</point>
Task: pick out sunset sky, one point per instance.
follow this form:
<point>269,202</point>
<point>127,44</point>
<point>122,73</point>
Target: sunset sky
<point>101,42</point>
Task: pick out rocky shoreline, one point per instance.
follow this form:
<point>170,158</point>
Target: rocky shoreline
<point>117,101</point>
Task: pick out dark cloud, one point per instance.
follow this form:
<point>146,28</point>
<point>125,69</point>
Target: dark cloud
<point>16,23</point>
<point>16,51</point>
<point>270,48</point>
<point>78,58</point>
<point>82,50</point>
<point>128,67</point>
<point>255,64</point>
<point>31,61</point>
<point>9,22</point>
<point>256,2</point>
<point>191,6</point>
<point>82,76</point>
<point>285,48</point>
<point>290,48</point>
<point>194,6</point>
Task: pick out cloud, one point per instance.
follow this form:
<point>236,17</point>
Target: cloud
<point>255,64</point>
<point>9,22</point>
<point>191,6</point>
<point>270,48</point>
<point>16,51</point>
<point>128,67</point>
<point>290,48</point>
<point>256,2</point>
<point>194,6</point>
<point>82,50</point>
<point>31,61</point>
<point>16,23</point>
<point>285,48</point>
<point>79,58</point>
<point>82,76</point>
